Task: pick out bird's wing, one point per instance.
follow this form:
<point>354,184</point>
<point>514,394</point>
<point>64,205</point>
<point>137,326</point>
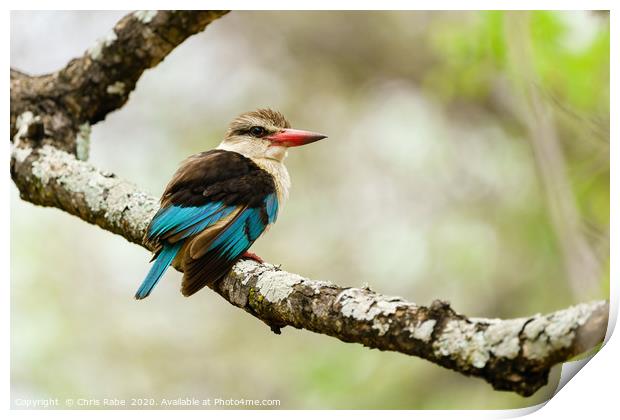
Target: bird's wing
<point>206,188</point>
<point>174,222</point>
<point>212,253</point>
<point>217,204</point>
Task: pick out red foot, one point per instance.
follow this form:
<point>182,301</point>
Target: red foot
<point>252,256</point>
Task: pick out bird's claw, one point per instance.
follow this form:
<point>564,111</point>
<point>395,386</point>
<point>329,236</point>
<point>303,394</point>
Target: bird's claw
<point>252,256</point>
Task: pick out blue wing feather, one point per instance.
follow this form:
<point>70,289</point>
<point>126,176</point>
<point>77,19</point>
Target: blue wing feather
<point>164,259</point>
<point>231,242</point>
<point>239,235</point>
<point>234,239</point>
<point>197,227</point>
<point>174,219</point>
<point>271,205</point>
<point>171,220</point>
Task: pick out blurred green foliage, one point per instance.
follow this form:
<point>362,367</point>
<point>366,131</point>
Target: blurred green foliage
<point>426,188</point>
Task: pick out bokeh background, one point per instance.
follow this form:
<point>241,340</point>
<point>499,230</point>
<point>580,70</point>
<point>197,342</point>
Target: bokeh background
<point>467,159</point>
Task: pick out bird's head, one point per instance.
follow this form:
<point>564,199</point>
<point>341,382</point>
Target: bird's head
<point>264,134</point>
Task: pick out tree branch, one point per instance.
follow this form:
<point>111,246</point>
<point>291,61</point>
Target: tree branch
<point>90,87</point>
<point>514,355</point>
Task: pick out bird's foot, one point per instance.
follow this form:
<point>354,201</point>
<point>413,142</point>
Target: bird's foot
<point>252,256</point>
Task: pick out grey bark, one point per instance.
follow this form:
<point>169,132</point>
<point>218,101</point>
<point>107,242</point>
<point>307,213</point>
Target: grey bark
<point>46,166</point>
<point>91,86</point>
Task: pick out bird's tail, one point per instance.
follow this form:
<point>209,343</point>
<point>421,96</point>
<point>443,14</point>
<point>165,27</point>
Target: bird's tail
<point>164,259</point>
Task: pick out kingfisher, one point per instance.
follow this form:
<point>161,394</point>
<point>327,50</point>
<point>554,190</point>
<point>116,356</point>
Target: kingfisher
<point>220,201</point>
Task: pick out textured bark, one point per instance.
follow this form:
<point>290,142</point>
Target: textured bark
<point>100,81</point>
<point>49,169</point>
<point>514,355</point>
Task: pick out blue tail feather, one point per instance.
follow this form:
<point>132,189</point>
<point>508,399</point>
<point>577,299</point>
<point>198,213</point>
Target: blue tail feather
<point>164,259</point>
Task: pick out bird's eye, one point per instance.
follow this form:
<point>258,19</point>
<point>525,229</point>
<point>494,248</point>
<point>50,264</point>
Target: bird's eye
<point>257,131</point>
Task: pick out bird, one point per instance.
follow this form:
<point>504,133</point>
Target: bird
<point>220,201</point>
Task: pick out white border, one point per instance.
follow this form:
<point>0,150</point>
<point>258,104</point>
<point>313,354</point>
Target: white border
<point>592,392</point>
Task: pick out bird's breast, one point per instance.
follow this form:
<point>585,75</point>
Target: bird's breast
<point>280,176</point>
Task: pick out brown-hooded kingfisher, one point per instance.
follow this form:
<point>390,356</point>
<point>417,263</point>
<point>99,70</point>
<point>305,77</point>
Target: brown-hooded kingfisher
<point>220,201</point>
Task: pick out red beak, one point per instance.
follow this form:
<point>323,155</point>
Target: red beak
<point>291,138</point>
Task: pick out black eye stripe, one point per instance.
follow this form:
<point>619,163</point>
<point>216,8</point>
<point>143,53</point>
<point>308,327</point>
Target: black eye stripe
<point>247,131</point>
